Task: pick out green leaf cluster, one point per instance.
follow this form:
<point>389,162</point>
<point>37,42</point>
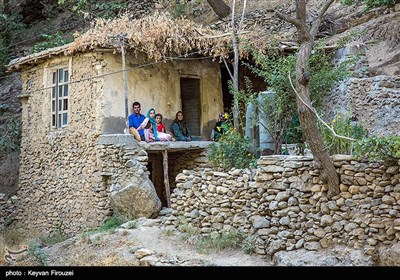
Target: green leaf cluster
<point>379,148</point>
<point>344,126</point>
<point>10,133</point>
<point>53,40</point>
<point>274,67</point>
<point>10,25</point>
<point>231,151</point>
<point>371,3</point>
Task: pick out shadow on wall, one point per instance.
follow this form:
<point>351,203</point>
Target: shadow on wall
<point>9,172</point>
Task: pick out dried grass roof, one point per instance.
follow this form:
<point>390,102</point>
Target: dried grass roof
<point>159,36</point>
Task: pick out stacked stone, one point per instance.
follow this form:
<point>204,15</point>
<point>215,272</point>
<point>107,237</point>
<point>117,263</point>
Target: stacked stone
<point>8,210</point>
<point>122,161</point>
<point>58,167</point>
<point>285,206</point>
<point>374,101</point>
<point>215,201</point>
<point>190,160</point>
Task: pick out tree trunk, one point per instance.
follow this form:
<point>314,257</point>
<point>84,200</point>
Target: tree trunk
<point>308,120</point>
<point>220,8</point>
<point>313,137</point>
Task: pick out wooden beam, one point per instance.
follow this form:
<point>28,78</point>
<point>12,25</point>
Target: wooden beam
<point>166,178</point>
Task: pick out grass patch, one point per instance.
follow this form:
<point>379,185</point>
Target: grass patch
<point>37,252</point>
<point>110,224</point>
<point>220,241</point>
<point>52,239</point>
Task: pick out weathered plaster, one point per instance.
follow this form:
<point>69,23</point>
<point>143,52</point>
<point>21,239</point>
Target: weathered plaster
<point>158,86</point>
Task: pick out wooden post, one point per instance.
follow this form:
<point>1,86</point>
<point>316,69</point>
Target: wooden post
<point>124,76</point>
<point>166,178</point>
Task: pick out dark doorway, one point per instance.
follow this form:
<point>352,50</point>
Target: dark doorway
<point>190,96</point>
<point>226,95</point>
<point>155,167</point>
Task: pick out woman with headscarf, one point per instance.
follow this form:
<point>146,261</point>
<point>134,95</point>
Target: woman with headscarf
<point>179,128</point>
<point>150,128</point>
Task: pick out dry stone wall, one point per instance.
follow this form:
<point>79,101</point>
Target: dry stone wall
<point>283,205</point>
<point>8,210</point>
<point>375,102</point>
<point>126,178</point>
<point>190,160</point>
<point>59,177</point>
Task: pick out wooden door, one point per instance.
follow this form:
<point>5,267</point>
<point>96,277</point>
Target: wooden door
<point>190,97</point>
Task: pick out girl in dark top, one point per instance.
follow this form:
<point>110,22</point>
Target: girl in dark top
<point>179,128</point>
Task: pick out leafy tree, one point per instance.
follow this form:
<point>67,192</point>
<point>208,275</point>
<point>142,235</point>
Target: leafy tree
<point>280,108</point>
<point>308,120</point>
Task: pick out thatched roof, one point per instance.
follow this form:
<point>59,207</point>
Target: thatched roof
<point>158,36</point>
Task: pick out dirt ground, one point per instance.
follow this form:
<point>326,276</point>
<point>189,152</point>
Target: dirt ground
<point>146,245</point>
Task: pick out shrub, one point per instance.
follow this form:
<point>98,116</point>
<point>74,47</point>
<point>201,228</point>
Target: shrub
<point>371,3</point>
<point>343,125</point>
<point>10,132</point>
<point>4,57</point>
<point>232,150</point>
<point>51,41</point>
<point>379,148</point>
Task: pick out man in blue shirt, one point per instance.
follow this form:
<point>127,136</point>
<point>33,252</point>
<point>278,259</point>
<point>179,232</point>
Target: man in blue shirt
<point>136,119</point>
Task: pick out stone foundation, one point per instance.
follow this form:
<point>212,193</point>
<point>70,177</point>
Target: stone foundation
<point>283,205</point>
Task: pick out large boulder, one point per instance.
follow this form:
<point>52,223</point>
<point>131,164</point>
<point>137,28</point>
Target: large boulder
<point>389,255</point>
<point>337,256</point>
<point>138,198</point>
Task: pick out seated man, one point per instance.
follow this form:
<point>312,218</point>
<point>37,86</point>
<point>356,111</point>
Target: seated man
<point>135,120</point>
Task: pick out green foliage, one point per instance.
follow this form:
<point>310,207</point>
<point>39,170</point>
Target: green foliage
<point>343,126</point>
<point>106,9</point>
<point>10,133</point>
<point>225,240</point>
<point>111,223</point>
<point>232,150</point>
<point>371,3</point>
<point>111,9</point>
<point>249,245</point>
<point>179,9</point>
<point>274,68</point>
<point>379,148</point>
<point>293,133</point>
<point>10,24</point>
<point>77,6</point>
<point>4,57</point>
<point>324,75</point>
<point>54,238</point>
<point>36,251</point>
<point>53,40</point>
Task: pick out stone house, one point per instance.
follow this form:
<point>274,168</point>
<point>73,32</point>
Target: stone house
<point>73,150</point>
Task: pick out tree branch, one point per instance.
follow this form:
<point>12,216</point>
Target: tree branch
<point>242,18</point>
<point>227,68</point>
<point>316,114</point>
<point>301,10</point>
<point>293,21</point>
<point>301,27</point>
<point>317,22</point>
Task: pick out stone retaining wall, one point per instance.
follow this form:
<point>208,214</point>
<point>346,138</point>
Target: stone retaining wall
<point>8,210</point>
<point>374,102</point>
<point>283,205</point>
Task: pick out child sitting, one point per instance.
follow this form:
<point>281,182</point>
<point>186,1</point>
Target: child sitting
<point>161,126</point>
<point>150,129</point>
